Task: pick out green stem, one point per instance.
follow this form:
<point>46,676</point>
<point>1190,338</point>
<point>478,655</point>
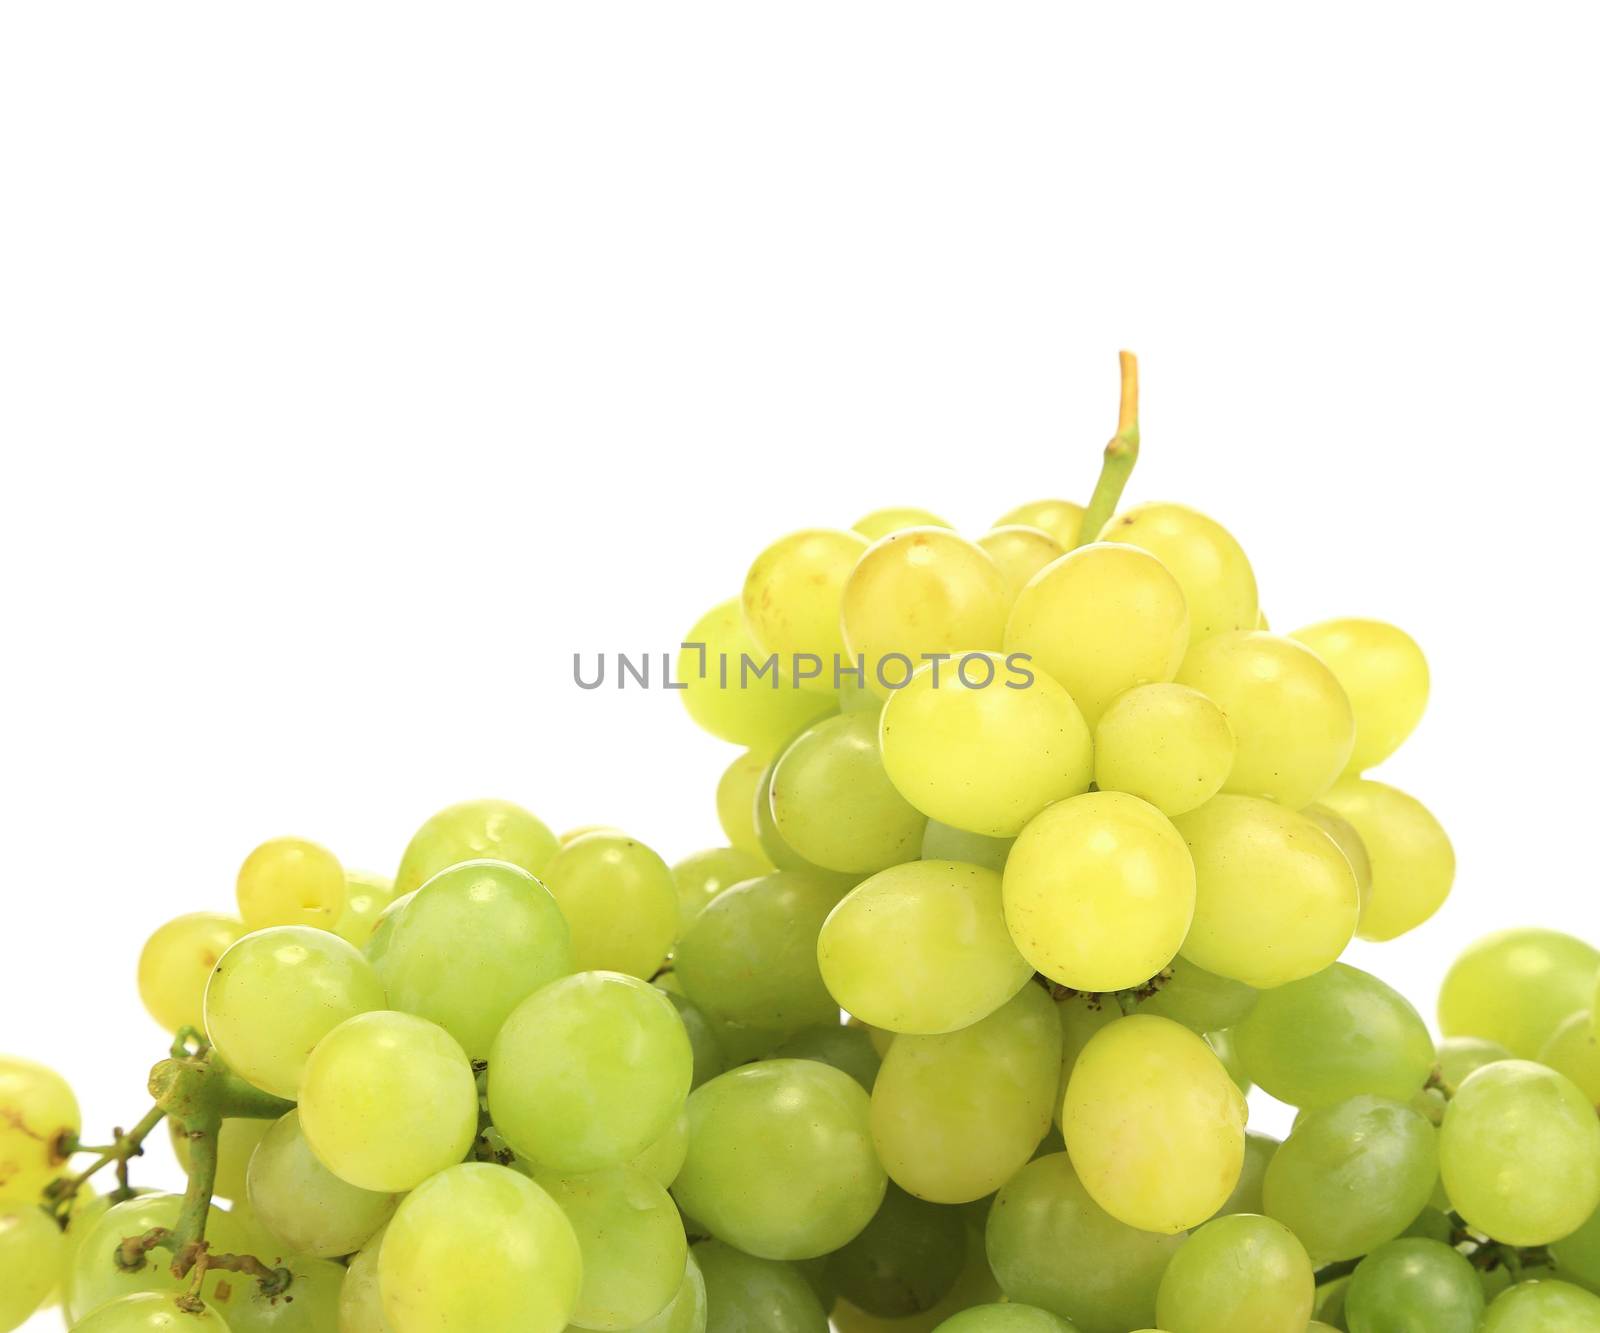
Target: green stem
<point>60,1194</point>
<point>1121,454</point>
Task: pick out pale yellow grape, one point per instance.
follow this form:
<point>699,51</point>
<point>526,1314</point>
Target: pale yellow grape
<point>1166,744</point>
<point>1413,864</point>
<point>95,1277</point>
<point>1210,566</point>
<point>236,1145</point>
<point>1062,519</point>
<point>925,590</point>
<point>1348,840</point>
<point>571,835</point>
<point>1517,987</point>
<point>620,901</point>
<point>149,1313</point>
<point>1572,1050</point>
<point>31,1247</point>
<point>366,895</point>
<point>1099,891</point>
<point>793,590</point>
<point>725,695</point>
<point>664,1158</point>
<point>922,947</point>
<point>482,830</point>
<point>969,748</point>
<point>1081,1017</point>
<point>176,963</point>
<point>701,876</point>
<point>1100,621</point>
<point>291,882</point>
<point>308,1208</point>
<point>955,1116</point>
<point>881,522</point>
<point>1275,898</point>
<point>1290,716</point>
<point>360,1299</point>
<point>736,802</point>
<point>37,1108</point>
<point>1386,676</point>
<point>1020,552</point>
<point>311,1304</point>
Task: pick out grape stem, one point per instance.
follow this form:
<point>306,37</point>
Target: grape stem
<point>126,1144</point>
<point>1121,454</point>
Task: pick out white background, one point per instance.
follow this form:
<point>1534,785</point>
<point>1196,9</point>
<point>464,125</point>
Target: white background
<point>358,366</point>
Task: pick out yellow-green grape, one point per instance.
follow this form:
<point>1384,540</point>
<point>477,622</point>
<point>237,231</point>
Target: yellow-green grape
<point>974,746</point>
<point>388,1099</point>
<point>571,835</point>
<point>291,882</point>
<point>1572,1050</point>
<point>848,1048</point>
<point>474,831</point>
<point>176,963</point>
<point>1100,621</point>
<point>384,927</point>
<point>747,1293</point>
<point>922,947</point>
<point>1166,744</point>
<point>236,1143</point>
<point>686,1312</point>
<point>1384,673</point>
<point>919,592</point>
<point>1099,891</point>
<point>1053,1246</point>
<point>881,522</point>
<point>1210,566</point>
<point>1154,1124</point>
<point>1238,1274</point>
<point>701,876</point>
<point>906,1260</point>
<point>1414,1283</point>
<point>1516,987</point>
<point>732,691</point>
<point>1200,1000</point>
<point>366,895</point>
<point>360,1298</point>
<point>1062,519</point>
<point>1223,1044</point>
<point>1081,1017</point>
<point>1348,841</point>
<point>1543,1306</point>
<point>96,1278</point>
<point>483,1248</point>
<point>308,1208</point>
<point>736,796</point>
<point>276,993</point>
<point>1275,899</point>
<point>941,842</point>
<point>631,1236</point>
<point>619,900</point>
<point>1578,1255</point>
<point>780,1160</point>
<point>1259,1150</point>
<point>664,1158</point>
<point>310,1305</point>
<point>1459,1056</point>
<point>1020,552</point>
<point>974,1286</point>
<point>149,1313</point>
<point>709,1057</point>
<point>1413,864</point>
<point>1520,1153</point>
<point>37,1112</point>
<point>30,1261</point>
<point>1291,718</point>
<point>955,1116</point>
<point>833,803</point>
<point>793,590</point>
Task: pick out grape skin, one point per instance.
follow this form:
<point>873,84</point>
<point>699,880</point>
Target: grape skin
<point>31,1246</point>
<point>176,963</point>
<point>291,882</point>
<point>149,1313</point>
<point>37,1108</point>
<point>304,1204</point>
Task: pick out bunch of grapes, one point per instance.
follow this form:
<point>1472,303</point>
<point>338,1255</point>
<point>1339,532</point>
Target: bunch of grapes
<point>1042,851</point>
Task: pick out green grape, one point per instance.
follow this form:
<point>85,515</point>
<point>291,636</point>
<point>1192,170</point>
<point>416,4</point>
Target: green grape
<point>745,1294</point>
<point>750,957</point>
<point>31,1246</point>
<point>1062,519</point>
<point>388,1099</point>
<point>1414,1286</point>
<point>1166,744</point>
<point>1379,1159</point>
<point>717,670</point>
<point>974,1285</point>
<point>620,901</point>
<point>277,993</point>
<point>1275,899</point>
<point>955,1116</point>
<point>1412,862</point>
<point>1259,1150</point>
<point>482,1248</point>
<point>475,941</point>
<point>848,1049</point>
<point>970,744</point>
<point>1516,987</point>
<point>1052,1246</point>
<point>1081,1017</point>
<point>1291,719</point>
<point>310,1305</point>
<point>1210,566</point>
<point>37,1112</point>
<point>1333,1035</point>
<point>854,698</point>
<point>1223,1045</point>
<point>1200,1000</point>
<point>1239,1274</point>
<point>1520,1153</point>
<point>96,1278</point>
<point>149,1313</point>
<point>793,590</point>
<point>176,963</point>
<point>916,592</point>
<point>1544,1307</point>
<point>686,1311</point>
<point>1578,1255</point>
<point>736,797</point>
<point>1459,1056</point>
<point>941,842</point>
<point>589,1072</point>
<point>481,830</point>
<point>291,882</point>
<point>709,1057</point>
<point>1099,891</point>
<point>366,895</point>
<point>1384,673</point>
<point>664,1158</point>
<point>1154,1124</point>
<point>632,1241</point>
<point>897,518</point>
<point>1572,1050</point>
<point>360,1299</point>
<point>1020,552</point>
<point>1100,621</point>
<point>384,927</point>
<point>701,876</point>
<point>905,1261</point>
<point>308,1208</point>
<point>1005,1319</point>
<point>236,1143</point>
<point>922,947</point>
<point>1348,841</point>
<point>780,1159</point>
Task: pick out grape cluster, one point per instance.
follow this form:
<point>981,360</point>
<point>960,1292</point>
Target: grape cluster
<point>1074,841</point>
